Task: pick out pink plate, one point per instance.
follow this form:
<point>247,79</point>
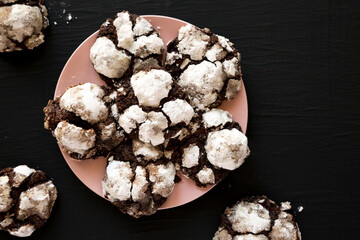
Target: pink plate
<point>79,69</point>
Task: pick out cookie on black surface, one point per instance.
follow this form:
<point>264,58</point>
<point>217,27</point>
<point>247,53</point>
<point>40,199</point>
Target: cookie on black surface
<point>206,65</point>
<point>138,178</point>
<point>258,218</point>
<point>22,24</point>
<point>27,197</point>
<point>79,119</point>
<point>125,45</point>
<point>215,147</point>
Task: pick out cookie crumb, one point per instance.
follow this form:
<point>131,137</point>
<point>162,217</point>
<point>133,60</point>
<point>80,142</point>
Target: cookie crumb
<point>69,17</point>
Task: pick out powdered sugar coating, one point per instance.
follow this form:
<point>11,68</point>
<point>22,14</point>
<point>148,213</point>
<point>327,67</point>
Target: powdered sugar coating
<point>247,217</point>
<point>222,234</point>
<point>142,27</point>
<point>216,117</point>
<point>107,131</point>
<point>151,131</point>
<point>233,87</point>
<point>225,43</point>
<point>9,1</point>
<point>178,111</point>
<point>5,198</point>
<point>231,67</point>
<point>148,151</point>
<point>163,178</point>
<point>250,237</point>
<point>107,60</point>
<point>23,170</point>
<point>171,57</point>
<point>75,139</point>
<point>117,181</point>
<point>215,53</point>
<point>190,157</point>
<point>131,117</point>
<point>150,87</point>
<point>206,176</point>
<point>21,27</point>
<point>124,31</point>
<point>140,185</point>
<point>147,45</point>
<point>21,173</point>
<point>37,200</point>
<point>202,82</point>
<point>192,42</point>
<point>85,100</point>
<point>226,149</point>
<point>284,228</point>
<point>23,231</point>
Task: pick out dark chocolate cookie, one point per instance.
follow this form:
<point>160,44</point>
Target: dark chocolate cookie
<point>214,146</point>
<point>22,24</point>
<point>79,119</point>
<point>27,197</point>
<point>125,45</point>
<point>206,65</point>
<point>152,107</point>
<point>258,218</point>
<point>138,178</point>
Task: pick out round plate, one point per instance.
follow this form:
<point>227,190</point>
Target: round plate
<point>79,69</point>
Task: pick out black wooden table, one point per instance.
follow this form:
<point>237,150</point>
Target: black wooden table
<point>301,70</point>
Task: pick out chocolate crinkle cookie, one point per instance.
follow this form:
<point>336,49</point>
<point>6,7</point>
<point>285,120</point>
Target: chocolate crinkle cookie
<point>125,45</point>
<point>152,107</point>
<point>22,24</point>
<point>138,178</point>
<point>27,197</point>
<point>258,218</point>
<point>79,120</point>
<point>210,148</point>
<point>206,65</point>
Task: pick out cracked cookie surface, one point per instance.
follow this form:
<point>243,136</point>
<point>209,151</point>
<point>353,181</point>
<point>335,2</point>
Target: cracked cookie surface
<point>138,178</point>
<point>22,24</point>
<point>213,146</point>
<point>27,197</point>
<point>125,45</point>
<point>258,218</point>
<point>206,65</point>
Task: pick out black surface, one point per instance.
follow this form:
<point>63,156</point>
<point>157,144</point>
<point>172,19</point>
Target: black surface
<point>301,70</point>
